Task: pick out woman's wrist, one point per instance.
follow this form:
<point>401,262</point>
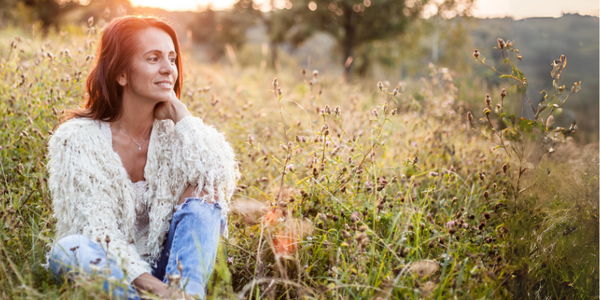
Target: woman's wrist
<point>178,112</point>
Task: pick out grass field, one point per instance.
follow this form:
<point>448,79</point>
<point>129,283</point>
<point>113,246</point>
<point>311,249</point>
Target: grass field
<point>348,191</point>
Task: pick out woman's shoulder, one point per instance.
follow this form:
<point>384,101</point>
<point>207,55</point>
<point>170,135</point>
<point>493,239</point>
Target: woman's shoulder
<point>76,128</point>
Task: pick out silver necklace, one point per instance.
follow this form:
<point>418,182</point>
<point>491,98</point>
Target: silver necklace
<point>139,145</point>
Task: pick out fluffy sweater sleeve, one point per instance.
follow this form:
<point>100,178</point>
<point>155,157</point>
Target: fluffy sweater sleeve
<point>89,198</point>
<point>207,160</point>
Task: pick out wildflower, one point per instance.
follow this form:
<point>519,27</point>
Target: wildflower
<point>486,111</point>
<point>488,99</point>
<point>250,139</point>
<point>571,128</point>
<point>501,43</point>
<point>481,225</point>
<point>486,194</point>
<point>380,86</point>
<point>433,174</point>
<point>354,217</point>
<point>486,215</point>
<point>476,53</point>
<point>230,260</point>
<point>395,91</point>
<point>337,110</point>
<point>393,111</point>
<point>481,176</point>
<point>271,217</point>
<point>275,83</point>
<point>374,112</point>
<point>503,93</point>
<point>290,168</point>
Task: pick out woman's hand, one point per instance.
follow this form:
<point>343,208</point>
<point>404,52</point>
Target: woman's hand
<point>171,109</point>
<point>151,284</point>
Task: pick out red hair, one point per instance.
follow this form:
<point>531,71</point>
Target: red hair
<point>115,51</point>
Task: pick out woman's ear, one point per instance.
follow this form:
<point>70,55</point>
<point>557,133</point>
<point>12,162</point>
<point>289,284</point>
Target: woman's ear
<point>122,79</point>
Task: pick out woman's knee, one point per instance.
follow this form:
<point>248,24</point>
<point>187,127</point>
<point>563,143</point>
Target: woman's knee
<point>69,244</point>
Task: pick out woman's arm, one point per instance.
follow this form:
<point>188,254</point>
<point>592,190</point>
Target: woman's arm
<point>202,157</point>
<point>88,194</point>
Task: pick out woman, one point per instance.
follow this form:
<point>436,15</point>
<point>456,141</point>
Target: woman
<point>134,175</point>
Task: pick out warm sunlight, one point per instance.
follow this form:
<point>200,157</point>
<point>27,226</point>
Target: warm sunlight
<point>483,8</point>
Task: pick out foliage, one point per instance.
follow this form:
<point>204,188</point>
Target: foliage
<point>546,209</point>
<point>354,23</point>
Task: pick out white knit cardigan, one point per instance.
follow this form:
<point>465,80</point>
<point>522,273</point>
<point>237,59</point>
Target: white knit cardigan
<point>93,194</point>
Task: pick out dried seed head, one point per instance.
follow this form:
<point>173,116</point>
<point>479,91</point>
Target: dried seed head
<point>91,21</point>
<point>481,225</point>
<point>470,117</point>
<point>250,139</point>
<point>486,111</point>
<point>476,53</point>
<point>481,176</point>
<point>488,99</point>
<point>395,92</point>
<point>486,194</point>
<point>380,86</point>
<point>501,43</point>
<point>275,83</point>
<point>180,267</point>
<point>486,215</point>
<point>315,73</point>
<point>503,93</point>
<point>504,192</point>
<point>504,168</point>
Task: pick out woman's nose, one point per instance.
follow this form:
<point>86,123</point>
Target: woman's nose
<point>168,68</point>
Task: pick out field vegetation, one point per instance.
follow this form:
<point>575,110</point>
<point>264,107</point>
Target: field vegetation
<point>423,188</point>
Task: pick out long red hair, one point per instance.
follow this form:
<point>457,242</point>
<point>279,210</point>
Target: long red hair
<point>117,46</point>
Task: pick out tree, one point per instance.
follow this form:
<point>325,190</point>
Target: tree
<point>354,23</point>
<point>217,29</point>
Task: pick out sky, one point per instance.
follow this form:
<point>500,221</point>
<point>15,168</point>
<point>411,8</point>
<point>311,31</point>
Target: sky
<point>518,9</point>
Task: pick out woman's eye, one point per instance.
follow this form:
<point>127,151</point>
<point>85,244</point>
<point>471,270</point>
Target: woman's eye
<point>153,59</point>
<point>172,60</point>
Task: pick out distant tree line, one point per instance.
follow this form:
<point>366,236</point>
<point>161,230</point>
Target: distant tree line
<point>353,24</point>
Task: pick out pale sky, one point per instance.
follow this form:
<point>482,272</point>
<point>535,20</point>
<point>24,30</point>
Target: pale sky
<point>518,9</point>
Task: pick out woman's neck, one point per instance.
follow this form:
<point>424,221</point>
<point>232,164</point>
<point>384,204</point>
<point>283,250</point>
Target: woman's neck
<point>137,117</point>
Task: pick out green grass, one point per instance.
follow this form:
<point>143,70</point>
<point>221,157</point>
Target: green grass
<point>362,212</point>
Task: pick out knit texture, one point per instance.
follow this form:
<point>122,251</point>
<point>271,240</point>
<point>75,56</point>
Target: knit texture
<point>92,193</point>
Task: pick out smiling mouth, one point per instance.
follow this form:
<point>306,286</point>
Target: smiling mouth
<point>166,84</point>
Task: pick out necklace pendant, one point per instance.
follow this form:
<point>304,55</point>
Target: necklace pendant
<point>140,148</point>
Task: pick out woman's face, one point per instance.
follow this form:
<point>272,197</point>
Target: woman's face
<point>153,67</point>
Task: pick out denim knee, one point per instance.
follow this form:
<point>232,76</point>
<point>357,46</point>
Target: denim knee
<point>199,206</point>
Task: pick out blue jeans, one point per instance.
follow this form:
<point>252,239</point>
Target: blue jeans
<point>193,240</point>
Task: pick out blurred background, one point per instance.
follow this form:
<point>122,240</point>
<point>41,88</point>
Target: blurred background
<point>389,40</point>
